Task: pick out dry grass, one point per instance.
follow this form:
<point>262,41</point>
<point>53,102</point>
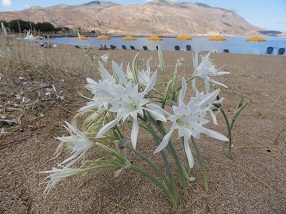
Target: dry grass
<point>40,88</point>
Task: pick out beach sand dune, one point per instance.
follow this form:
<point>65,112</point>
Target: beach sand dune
<point>254,181</point>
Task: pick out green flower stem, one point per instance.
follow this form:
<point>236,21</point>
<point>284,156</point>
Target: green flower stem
<point>157,169</point>
<point>99,167</point>
<point>171,185</point>
<point>187,80</point>
<point>229,132</point>
<point>111,151</point>
<point>159,184</point>
<point>161,63</point>
<point>166,162</point>
<point>165,96</point>
<point>99,160</point>
<point>182,171</point>
<point>119,132</point>
<point>201,161</point>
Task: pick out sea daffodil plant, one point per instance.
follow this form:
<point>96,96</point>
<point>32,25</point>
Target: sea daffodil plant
<point>134,96</point>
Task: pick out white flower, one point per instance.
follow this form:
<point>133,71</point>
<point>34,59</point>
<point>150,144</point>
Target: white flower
<point>104,91</point>
<point>78,142</point>
<point>205,70</point>
<point>130,102</point>
<point>189,120</point>
<point>57,175</point>
<point>105,57</point>
<point>181,61</point>
<point>206,103</point>
<point>145,76</point>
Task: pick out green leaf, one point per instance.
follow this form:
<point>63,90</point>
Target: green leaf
<point>135,69</point>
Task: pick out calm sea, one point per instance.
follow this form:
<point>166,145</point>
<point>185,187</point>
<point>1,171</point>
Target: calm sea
<point>199,43</point>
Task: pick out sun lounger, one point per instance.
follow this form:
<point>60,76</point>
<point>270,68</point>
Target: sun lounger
<point>112,47</point>
<point>132,47</point>
<point>281,51</point>
<point>123,47</point>
<point>225,50</point>
<point>269,50</point>
<point>188,47</point>
<point>177,48</point>
<point>145,48</point>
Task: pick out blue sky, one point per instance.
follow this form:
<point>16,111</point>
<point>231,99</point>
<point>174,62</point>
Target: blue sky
<point>269,14</point>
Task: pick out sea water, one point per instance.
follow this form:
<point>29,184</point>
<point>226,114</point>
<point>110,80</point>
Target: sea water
<point>198,43</point>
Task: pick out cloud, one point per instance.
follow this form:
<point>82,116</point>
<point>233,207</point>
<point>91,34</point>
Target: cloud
<point>6,3</point>
<point>27,6</point>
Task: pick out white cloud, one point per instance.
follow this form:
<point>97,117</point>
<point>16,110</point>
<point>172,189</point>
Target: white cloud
<point>27,6</point>
<point>6,3</point>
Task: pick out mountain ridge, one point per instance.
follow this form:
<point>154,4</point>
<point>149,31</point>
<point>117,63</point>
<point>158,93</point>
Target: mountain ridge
<point>162,17</point>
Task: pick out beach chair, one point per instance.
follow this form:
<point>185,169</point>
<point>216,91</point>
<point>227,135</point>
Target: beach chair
<point>177,48</point>
<point>112,47</point>
<point>145,48</point>
<point>132,47</point>
<point>281,51</point>
<point>123,47</point>
<point>188,47</point>
<point>157,47</point>
<point>225,50</point>
<point>269,50</point>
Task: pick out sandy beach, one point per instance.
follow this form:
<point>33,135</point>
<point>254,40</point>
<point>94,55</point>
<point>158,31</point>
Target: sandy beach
<point>254,181</point>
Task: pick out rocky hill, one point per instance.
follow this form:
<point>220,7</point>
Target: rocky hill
<point>160,17</point>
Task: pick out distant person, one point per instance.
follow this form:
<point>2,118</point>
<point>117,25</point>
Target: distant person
<point>46,45</point>
<point>105,48</point>
<point>101,48</point>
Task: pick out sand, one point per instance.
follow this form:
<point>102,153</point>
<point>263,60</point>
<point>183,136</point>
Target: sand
<point>253,181</point>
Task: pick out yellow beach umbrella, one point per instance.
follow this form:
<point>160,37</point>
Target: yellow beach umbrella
<point>217,38</point>
<point>128,38</point>
<point>183,37</point>
<point>255,39</point>
<point>103,37</point>
<point>81,38</point>
<point>154,38</point>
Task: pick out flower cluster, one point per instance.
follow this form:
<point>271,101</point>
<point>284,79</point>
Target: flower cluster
<point>133,97</point>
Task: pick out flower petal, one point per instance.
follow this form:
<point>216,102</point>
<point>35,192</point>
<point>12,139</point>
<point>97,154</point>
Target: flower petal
<point>119,72</point>
<point>134,133</point>
<point>215,134</point>
<point>208,98</point>
<point>104,73</point>
<point>183,91</point>
<point>218,83</point>
<point>75,130</point>
<point>151,84</point>
<point>107,126</point>
<point>165,141</point>
<point>189,153</point>
<point>213,117</point>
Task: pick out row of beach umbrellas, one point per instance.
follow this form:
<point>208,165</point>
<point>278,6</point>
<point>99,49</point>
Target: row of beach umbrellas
<point>216,38</point>
<point>183,37</point>
<point>152,38</point>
